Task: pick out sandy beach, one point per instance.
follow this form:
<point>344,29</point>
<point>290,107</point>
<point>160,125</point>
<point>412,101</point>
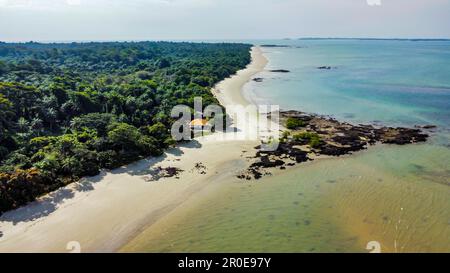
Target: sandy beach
<point>229,91</point>
<point>104,212</point>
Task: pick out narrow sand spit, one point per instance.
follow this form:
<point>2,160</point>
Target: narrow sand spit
<point>229,91</point>
<point>104,212</point>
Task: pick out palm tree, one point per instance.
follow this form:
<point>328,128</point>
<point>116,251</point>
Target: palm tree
<point>50,116</point>
<point>6,116</point>
<point>37,125</point>
<point>23,125</point>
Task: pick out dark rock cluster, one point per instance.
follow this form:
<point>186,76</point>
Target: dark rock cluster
<point>160,172</point>
<point>335,139</point>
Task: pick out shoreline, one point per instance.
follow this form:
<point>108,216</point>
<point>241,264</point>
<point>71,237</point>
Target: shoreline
<point>230,91</point>
<point>117,210</point>
<point>105,212</point>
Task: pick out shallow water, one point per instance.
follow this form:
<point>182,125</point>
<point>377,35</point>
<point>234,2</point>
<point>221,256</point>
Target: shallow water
<point>335,205</point>
<point>396,195</point>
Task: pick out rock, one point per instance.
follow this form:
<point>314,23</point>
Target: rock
<point>159,173</point>
<point>426,126</point>
<point>336,139</point>
<point>333,150</point>
<point>267,163</point>
<point>201,169</point>
<point>401,136</point>
<point>258,79</point>
<point>280,70</point>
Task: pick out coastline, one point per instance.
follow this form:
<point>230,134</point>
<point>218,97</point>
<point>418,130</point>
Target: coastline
<point>120,211</point>
<point>105,212</point>
<point>229,91</point>
<point>293,204</point>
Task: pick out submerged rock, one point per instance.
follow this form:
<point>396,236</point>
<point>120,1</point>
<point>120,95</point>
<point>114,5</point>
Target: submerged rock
<point>326,67</point>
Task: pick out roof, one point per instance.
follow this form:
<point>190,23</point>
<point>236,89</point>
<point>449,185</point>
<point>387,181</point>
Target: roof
<point>198,122</point>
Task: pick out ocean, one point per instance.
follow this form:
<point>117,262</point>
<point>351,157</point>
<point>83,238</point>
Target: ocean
<point>397,196</point>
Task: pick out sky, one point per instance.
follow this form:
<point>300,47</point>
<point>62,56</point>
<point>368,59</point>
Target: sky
<point>106,20</point>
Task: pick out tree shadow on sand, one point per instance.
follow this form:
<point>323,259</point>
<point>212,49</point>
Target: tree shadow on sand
<point>87,183</point>
<point>50,202</point>
<point>146,166</point>
<point>47,204</point>
<point>39,208</point>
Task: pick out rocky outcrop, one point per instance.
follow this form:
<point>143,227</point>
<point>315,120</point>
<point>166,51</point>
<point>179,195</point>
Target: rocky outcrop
<point>323,135</point>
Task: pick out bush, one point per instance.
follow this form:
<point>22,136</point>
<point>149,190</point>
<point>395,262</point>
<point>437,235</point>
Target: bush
<point>285,136</point>
<point>23,186</point>
<point>170,142</point>
<point>82,163</point>
<point>144,75</point>
<point>294,123</point>
<point>124,136</point>
<point>149,146</point>
<point>17,160</point>
<point>158,131</point>
<point>108,159</point>
<point>315,142</point>
<point>313,138</point>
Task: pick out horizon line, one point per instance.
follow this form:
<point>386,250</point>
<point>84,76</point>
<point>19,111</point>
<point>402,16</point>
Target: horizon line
<point>221,40</point>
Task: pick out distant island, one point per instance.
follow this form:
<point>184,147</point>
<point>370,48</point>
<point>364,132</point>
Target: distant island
<point>274,46</point>
<point>376,39</point>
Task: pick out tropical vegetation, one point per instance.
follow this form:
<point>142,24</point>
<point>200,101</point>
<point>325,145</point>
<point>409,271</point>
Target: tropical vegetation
<point>69,110</point>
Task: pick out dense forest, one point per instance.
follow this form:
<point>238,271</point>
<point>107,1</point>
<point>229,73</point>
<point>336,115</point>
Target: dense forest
<point>69,110</point>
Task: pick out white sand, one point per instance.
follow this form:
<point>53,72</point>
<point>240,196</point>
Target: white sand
<point>229,91</point>
<point>103,213</point>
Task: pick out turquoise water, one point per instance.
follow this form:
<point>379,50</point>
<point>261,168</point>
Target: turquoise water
<point>391,82</point>
<point>398,196</point>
